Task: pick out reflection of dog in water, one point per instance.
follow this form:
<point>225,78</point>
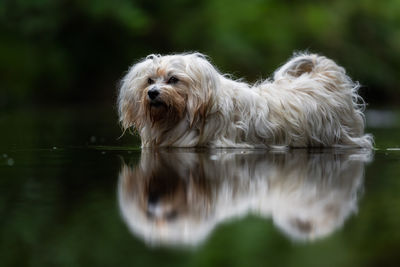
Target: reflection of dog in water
<point>179,197</point>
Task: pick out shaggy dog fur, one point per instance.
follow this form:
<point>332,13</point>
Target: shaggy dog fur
<point>179,197</point>
<point>183,101</point>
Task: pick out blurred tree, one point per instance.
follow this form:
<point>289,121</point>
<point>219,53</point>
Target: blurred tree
<point>59,51</point>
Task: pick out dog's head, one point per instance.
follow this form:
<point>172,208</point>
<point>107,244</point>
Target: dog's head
<point>162,90</point>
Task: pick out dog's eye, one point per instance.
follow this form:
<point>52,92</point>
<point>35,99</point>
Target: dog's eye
<point>173,80</point>
<point>150,81</point>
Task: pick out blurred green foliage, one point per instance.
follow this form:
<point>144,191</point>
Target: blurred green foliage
<point>60,51</point>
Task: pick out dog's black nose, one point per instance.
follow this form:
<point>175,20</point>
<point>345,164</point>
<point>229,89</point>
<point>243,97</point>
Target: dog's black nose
<point>153,93</point>
<point>153,199</point>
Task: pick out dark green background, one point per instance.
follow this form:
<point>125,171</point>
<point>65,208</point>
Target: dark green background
<point>60,63</point>
<point>74,52</point>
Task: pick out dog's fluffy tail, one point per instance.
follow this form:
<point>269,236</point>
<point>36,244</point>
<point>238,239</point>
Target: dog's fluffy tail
<point>314,66</point>
<point>335,84</point>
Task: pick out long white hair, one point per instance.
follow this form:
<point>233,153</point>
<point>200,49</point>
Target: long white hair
<point>310,102</point>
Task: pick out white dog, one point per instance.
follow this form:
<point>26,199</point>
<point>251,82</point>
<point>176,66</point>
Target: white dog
<point>183,101</point>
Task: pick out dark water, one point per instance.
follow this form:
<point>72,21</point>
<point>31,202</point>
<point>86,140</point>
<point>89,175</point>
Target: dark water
<point>72,194</point>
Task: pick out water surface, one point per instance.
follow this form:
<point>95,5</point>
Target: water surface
<point>72,194</point>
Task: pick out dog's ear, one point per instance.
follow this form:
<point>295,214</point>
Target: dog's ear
<point>130,108</point>
<point>205,81</point>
